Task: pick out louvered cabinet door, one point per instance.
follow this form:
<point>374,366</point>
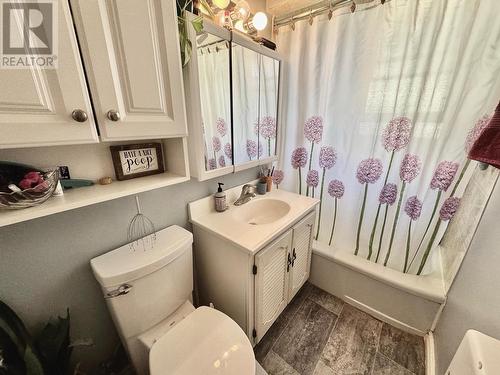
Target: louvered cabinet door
<point>271,283</point>
<point>132,58</point>
<point>301,253</point>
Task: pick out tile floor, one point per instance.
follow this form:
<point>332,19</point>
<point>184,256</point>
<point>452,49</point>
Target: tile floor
<point>318,334</point>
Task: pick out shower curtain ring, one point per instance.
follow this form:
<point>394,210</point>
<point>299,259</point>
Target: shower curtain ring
<point>310,17</point>
<point>330,11</point>
<point>353,6</point>
<point>292,24</point>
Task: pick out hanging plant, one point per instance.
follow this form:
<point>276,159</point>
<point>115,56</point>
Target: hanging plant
<point>183,23</point>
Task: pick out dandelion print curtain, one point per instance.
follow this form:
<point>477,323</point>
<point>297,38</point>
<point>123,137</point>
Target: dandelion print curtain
<point>381,107</point>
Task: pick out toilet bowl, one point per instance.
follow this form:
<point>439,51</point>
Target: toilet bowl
<point>206,342</point>
<point>148,294</point>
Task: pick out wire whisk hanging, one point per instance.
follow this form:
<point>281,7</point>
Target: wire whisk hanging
<point>141,230</point>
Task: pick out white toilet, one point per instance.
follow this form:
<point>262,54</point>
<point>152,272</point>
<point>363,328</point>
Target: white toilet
<point>149,296</point>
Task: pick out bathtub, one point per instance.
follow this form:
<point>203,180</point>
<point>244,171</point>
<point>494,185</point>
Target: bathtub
<point>409,302</point>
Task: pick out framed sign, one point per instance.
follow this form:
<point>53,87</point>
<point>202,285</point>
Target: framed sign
<point>137,160</point>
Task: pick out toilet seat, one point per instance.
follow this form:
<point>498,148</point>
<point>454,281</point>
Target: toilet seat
<point>205,342</point>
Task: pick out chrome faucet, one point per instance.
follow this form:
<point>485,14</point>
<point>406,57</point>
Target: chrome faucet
<point>247,193</point>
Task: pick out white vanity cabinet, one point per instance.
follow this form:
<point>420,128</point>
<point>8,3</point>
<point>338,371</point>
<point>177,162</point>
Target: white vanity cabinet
<point>280,270</point>
<point>252,273</point>
<point>131,53</point>
<point>37,105</point>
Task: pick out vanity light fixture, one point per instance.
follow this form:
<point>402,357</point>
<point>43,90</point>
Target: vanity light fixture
<point>236,14</point>
<point>242,9</point>
<point>240,26</point>
<point>259,21</point>
<point>221,4</point>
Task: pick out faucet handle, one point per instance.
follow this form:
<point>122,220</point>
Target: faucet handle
<point>247,187</point>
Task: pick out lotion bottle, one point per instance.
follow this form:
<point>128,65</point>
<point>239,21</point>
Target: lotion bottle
<point>220,199</point>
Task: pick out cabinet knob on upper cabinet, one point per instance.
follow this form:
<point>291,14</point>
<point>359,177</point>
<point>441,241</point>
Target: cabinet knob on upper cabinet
<point>113,115</point>
<point>79,115</point>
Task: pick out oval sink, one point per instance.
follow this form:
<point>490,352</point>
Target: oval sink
<point>262,211</point>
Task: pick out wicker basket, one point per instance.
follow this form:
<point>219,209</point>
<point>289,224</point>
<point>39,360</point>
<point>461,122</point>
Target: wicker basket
<point>32,196</point>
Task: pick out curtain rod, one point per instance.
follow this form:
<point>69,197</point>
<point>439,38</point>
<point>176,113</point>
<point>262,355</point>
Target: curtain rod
<point>326,6</point>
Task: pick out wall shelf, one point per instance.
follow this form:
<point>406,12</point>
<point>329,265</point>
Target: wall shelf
<point>86,196</point>
<point>92,162</point>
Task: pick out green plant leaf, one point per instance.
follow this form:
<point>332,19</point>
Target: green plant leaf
<point>11,362</point>
<point>53,344</point>
<point>33,364</point>
<point>197,24</point>
<point>13,326</point>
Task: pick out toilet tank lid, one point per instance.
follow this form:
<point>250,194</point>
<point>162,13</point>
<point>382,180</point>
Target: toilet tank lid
<point>124,264</point>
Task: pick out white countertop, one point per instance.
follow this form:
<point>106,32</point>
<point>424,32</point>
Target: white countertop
<point>246,236</point>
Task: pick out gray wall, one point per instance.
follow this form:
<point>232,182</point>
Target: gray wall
<point>44,263</point>
<point>474,298</point>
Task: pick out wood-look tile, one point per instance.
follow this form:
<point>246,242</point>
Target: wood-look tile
<point>259,370</point>
<point>305,337</point>
<point>267,342</point>
<point>403,348</point>
<point>322,369</point>
<point>352,345</point>
<point>326,300</point>
<point>385,366</point>
<point>275,365</point>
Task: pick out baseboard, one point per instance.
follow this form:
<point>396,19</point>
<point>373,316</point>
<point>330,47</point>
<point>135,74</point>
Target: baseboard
<point>430,354</point>
<point>383,317</point>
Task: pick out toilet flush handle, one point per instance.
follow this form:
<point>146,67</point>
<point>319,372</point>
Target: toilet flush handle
<point>120,291</point>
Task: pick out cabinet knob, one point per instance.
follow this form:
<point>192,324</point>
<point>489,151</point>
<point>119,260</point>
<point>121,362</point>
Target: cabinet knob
<point>113,115</point>
<point>79,115</point>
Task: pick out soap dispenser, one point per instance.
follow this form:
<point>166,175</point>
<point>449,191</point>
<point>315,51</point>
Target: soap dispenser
<point>220,199</point>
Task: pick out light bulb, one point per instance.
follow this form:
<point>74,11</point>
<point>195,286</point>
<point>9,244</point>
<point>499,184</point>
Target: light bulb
<point>221,4</point>
<point>259,21</point>
<point>239,25</point>
<point>242,9</point>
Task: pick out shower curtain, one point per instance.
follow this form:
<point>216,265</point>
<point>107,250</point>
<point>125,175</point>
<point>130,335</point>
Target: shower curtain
<point>380,108</point>
<point>213,66</point>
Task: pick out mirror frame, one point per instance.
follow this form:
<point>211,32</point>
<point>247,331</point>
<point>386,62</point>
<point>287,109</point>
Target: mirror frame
<point>193,102</point>
<point>193,111</point>
<point>244,41</point>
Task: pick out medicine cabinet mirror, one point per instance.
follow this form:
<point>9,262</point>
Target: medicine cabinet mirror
<point>232,98</point>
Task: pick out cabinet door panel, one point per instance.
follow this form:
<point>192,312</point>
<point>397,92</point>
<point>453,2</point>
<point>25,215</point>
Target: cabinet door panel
<point>271,283</point>
<point>132,59</point>
<point>301,253</point>
<point>36,103</point>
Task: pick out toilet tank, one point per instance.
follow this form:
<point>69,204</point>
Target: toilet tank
<point>142,288</point>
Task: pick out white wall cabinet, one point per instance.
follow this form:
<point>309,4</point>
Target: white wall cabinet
<point>36,104</point>
<point>131,57</point>
<point>131,53</point>
<point>253,289</point>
